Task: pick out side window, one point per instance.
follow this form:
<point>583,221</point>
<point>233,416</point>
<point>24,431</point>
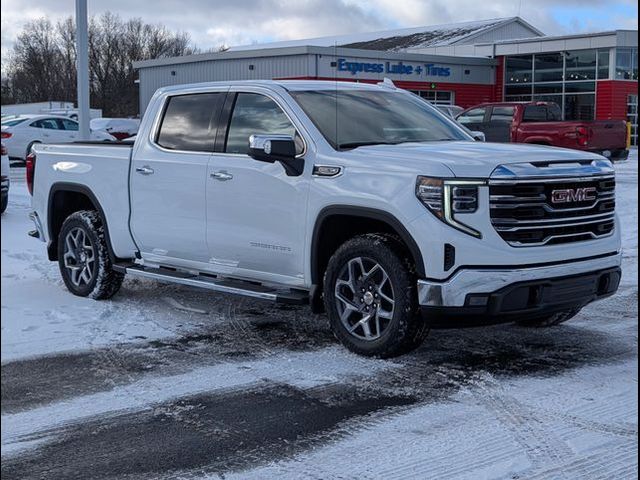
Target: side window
<point>256,114</point>
<point>68,124</point>
<point>46,123</point>
<point>554,114</point>
<point>502,114</point>
<point>472,116</point>
<point>190,122</point>
<point>535,113</point>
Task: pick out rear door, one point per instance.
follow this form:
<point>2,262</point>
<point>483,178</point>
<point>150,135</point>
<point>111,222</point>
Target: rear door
<point>168,179</point>
<point>69,127</point>
<point>474,119</point>
<point>498,128</point>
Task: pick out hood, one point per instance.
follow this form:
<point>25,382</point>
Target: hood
<point>470,159</point>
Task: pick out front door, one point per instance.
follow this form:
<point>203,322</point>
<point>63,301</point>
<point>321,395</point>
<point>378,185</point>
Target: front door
<point>255,211</point>
<point>168,180</point>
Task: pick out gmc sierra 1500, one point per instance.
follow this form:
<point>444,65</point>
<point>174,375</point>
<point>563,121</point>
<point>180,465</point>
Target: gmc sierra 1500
<point>362,200</point>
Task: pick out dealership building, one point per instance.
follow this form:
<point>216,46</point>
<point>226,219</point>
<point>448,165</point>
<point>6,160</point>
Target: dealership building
<point>591,76</point>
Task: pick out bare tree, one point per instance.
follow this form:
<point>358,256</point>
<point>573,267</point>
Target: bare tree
<point>42,63</point>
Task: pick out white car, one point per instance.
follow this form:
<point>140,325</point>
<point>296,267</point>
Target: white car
<point>20,133</point>
<point>120,128</point>
<point>5,180</point>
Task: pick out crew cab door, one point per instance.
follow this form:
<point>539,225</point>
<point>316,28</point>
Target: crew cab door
<point>498,128</point>
<point>256,213</point>
<point>474,119</point>
<point>168,180</point>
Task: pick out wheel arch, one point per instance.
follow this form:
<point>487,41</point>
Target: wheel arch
<point>64,199</point>
<point>347,213</point>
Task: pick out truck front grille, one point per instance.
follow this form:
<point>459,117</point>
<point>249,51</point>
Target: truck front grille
<point>533,212</point>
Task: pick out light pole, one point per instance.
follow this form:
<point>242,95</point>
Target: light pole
<point>82,66</point>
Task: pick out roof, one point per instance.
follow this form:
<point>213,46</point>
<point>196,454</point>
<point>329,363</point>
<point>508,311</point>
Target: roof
<point>291,85</point>
<point>402,39</point>
<point>307,50</point>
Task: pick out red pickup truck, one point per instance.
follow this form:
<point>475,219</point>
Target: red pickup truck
<point>541,123</point>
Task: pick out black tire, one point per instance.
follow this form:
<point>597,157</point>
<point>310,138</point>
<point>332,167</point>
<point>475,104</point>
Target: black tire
<point>402,329</point>
<point>4,201</point>
<point>92,275</point>
<point>550,320</point>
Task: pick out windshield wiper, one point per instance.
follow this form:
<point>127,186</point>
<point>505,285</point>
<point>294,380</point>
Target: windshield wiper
<point>349,145</point>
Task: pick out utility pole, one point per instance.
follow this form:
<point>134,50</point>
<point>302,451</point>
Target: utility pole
<point>82,66</point>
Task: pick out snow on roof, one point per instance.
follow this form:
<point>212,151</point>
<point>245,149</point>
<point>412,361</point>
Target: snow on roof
<point>401,39</point>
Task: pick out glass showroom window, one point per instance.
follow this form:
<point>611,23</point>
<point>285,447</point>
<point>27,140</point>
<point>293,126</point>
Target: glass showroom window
<point>436,97</point>
<point>580,65</point>
<point>549,67</point>
<point>626,64</point>
<point>603,64</point>
<point>632,117</point>
<point>518,78</point>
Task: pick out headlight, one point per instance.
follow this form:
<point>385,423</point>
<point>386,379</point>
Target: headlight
<point>445,198</point>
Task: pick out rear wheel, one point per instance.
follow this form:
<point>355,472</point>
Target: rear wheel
<point>550,320</point>
<point>84,258</point>
<point>370,297</point>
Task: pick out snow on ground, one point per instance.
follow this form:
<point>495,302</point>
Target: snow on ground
<point>164,381</point>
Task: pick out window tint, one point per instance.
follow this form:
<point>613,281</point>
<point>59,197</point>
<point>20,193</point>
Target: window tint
<point>48,123</point>
<point>13,122</point>
<point>256,114</point>
<point>502,114</point>
<point>190,122</point>
<point>472,116</point>
<point>68,124</point>
<point>542,113</point>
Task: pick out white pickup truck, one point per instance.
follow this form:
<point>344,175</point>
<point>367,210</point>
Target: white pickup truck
<point>362,200</point>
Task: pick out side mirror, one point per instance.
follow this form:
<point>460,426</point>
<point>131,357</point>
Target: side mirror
<point>478,136</point>
<point>276,148</point>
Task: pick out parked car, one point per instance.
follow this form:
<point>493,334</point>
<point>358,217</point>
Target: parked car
<point>5,180</point>
<point>120,128</point>
<point>361,200</point>
<point>451,110</point>
<point>541,123</point>
<point>20,133</point>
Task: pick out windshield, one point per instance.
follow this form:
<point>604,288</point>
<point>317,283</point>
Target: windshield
<point>350,118</point>
<point>13,122</point>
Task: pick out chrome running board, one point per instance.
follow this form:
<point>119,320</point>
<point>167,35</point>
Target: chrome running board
<point>217,284</point>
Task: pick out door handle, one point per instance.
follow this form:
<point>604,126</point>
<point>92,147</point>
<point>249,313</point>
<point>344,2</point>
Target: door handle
<point>222,176</point>
<point>146,170</point>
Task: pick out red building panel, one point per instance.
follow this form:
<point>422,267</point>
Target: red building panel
<point>611,98</point>
<point>465,94</point>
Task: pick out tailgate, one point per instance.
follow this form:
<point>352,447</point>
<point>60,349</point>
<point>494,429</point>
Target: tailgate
<point>607,135</point>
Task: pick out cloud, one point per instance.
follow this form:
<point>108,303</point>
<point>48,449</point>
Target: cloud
<point>212,23</point>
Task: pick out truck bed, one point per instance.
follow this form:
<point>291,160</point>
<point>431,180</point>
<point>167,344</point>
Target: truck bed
<point>97,169</point>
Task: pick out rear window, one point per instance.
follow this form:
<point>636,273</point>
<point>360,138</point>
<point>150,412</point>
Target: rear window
<point>190,122</point>
<point>13,122</point>
<point>542,113</point>
<point>502,114</point>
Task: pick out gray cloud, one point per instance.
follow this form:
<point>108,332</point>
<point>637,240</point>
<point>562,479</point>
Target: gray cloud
<point>234,22</point>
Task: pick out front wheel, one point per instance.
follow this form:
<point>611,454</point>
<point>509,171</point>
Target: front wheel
<point>84,258</point>
<point>370,297</point>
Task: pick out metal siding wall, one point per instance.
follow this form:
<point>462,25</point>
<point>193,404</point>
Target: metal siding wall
<point>152,78</point>
<point>507,32</point>
<point>611,98</point>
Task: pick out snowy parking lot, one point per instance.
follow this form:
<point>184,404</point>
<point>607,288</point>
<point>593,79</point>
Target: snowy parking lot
<point>165,381</point>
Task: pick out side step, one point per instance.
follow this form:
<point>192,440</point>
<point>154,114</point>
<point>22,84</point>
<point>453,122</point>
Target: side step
<point>223,285</point>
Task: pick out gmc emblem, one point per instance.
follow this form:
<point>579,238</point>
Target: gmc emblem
<point>571,195</point>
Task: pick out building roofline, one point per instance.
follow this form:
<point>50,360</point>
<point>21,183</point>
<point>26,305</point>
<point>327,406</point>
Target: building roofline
<point>495,26</point>
<point>312,50</point>
<point>551,38</point>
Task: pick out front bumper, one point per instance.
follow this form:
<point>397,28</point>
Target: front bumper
<point>496,291</point>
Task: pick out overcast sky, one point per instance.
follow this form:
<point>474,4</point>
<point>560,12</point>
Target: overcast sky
<point>212,23</point>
